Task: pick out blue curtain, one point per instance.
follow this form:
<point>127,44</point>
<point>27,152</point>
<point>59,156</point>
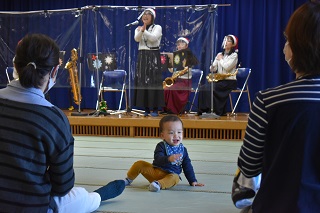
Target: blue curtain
<point>258,25</point>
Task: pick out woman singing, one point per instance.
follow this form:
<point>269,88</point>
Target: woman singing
<point>148,76</point>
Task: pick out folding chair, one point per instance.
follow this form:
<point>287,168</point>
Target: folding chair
<point>9,73</point>
<point>196,82</point>
<point>114,81</point>
<point>243,75</point>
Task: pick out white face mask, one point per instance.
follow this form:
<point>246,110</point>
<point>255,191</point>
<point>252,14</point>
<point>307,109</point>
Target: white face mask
<point>288,61</point>
<point>287,52</point>
<point>52,81</point>
<point>224,42</point>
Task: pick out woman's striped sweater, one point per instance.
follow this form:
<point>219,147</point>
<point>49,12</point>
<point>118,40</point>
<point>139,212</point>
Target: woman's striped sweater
<point>282,142</point>
<point>36,156</point>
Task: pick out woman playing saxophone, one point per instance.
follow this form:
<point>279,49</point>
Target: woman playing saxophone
<point>177,87</point>
<point>223,69</point>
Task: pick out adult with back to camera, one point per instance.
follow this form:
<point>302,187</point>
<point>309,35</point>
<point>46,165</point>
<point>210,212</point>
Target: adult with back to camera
<point>148,92</point>
<point>36,142</point>
<point>282,136</point>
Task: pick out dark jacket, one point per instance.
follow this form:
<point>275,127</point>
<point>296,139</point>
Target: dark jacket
<point>161,161</point>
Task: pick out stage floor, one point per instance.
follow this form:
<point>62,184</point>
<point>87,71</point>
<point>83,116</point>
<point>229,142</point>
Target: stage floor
<point>230,127</point>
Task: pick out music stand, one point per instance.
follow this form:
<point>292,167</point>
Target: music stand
<point>179,59</point>
<point>166,59</point>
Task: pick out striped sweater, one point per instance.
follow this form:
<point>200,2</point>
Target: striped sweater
<point>36,156</point>
<point>282,142</point>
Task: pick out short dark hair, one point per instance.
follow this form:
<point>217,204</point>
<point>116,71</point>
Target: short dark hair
<point>168,118</point>
<point>36,55</point>
<point>303,33</point>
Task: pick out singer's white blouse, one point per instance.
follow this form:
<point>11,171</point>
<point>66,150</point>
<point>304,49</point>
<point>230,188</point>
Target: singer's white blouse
<point>150,38</point>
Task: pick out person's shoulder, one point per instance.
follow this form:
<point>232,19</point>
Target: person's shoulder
<point>184,147</point>
<point>57,115</point>
<point>161,143</point>
<point>279,87</point>
<point>160,147</point>
<point>234,54</point>
<point>58,110</point>
<point>271,91</point>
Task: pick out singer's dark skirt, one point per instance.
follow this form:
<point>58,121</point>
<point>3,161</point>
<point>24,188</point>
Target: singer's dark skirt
<point>148,91</point>
<point>220,95</point>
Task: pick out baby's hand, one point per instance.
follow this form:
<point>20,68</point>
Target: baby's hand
<point>174,157</point>
<point>197,184</point>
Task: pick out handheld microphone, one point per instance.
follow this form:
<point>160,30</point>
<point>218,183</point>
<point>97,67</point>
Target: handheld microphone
<point>133,23</point>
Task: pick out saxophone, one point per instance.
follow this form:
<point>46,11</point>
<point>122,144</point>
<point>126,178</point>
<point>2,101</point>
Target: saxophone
<point>73,72</point>
<point>169,81</point>
<point>214,77</point>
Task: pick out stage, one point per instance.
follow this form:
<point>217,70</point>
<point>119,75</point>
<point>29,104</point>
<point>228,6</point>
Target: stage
<point>230,127</point>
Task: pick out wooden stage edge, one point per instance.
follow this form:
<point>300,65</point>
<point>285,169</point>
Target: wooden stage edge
<point>230,127</point>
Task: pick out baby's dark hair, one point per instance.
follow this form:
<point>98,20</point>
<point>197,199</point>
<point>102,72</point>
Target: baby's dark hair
<point>168,118</point>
